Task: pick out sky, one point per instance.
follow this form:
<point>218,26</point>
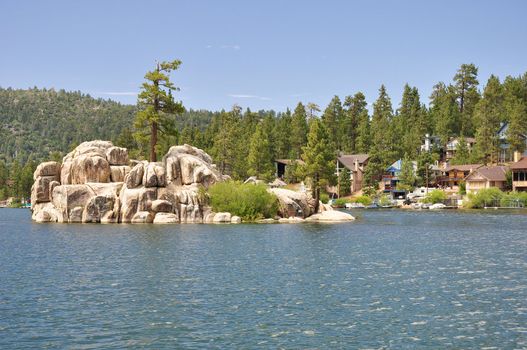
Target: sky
<point>258,54</point>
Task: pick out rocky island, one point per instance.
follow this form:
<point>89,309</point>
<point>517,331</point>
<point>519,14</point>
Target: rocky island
<point>98,183</point>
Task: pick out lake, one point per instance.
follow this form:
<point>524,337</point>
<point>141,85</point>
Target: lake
<point>391,279</point>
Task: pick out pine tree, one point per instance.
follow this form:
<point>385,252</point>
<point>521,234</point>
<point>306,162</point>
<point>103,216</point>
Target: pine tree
<point>462,155</point>
<point>410,123</point>
<point>319,157</point>
<point>344,182</point>
<point>488,113</point>
<point>354,108</point>
<point>444,112</point>
<point>332,119</point>
<point>298,133</point>
<point>157,106</point>
<point>382,129</point>
<point>282,135</point>
<point>260,160</point>
<point>407,178</point>
<point>466,85</point>
<point>363,141</point>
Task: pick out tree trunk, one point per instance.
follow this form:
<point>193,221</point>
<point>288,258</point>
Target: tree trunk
<point>153,142</point>
<point>316,192</point>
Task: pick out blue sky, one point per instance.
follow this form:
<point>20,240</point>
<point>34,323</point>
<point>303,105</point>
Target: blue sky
<point>258,54</point>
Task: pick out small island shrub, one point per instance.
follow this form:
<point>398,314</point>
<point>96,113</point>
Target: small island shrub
<point>435,196</point>
<point>341,202</point>
<point>365,200</point>
<point>324,198</point>
<point>248,201</point>
<point>485,197</point>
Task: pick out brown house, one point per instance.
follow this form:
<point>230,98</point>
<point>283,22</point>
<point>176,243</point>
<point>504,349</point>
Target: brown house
<point>519,175</point>
<point>282,164</point>
<point>455,174</point>
<point>486,177</point>
<point>356,164</point>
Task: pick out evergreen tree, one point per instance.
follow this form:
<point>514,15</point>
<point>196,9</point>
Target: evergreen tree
<point>466,87</point>
<point>410,122</point>
<point>298,133</point>
<point>319,156</point>
<point>382,129</point>
<point>282,135</point>
<point>488,113</point>
<point>515,102</point>
<point>312,109</point>
<point>444,112</point>
<point>355,107</point>
<point>344,182</point>
<point>260,160</point>
<point>363,141</point>
<point>332,119</point>
<point>225,148</point>
<point>462,155</point>
<point>407,178</point>
<point>157,106</point>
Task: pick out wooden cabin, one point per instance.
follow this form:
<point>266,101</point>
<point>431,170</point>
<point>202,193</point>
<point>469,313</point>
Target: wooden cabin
<point>519,175</point>
<point>356,164</point>
<point>455,174</point>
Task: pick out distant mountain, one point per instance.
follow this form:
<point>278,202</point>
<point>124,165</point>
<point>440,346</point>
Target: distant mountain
<point>37,122</point>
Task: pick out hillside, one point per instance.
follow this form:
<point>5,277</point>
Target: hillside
<point>37,122</point>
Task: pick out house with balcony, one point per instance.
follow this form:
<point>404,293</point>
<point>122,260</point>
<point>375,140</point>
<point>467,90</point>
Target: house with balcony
<point>486,177</point>
<point>390,178</point>
<point>456,174</point>
<point>519,175</point>
<point>453,144</point>
<point>356,164</point>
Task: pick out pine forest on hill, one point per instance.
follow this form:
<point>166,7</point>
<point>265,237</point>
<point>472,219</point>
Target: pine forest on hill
<point>39,124</point>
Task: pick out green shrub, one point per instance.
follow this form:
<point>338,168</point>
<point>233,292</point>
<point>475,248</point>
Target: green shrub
<point>340,202</point>
<point>324,198</point>
<point>385,200</point>
<point>514,199</point>
<point>436,196</point>
<point>248,201</point>
<point>462,188</point>
<point>485,197</point>
<point>363,200</point>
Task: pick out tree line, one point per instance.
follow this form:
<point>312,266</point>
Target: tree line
<point>245,143</point>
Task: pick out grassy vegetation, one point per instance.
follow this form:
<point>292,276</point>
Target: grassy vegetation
<point>363,200</point>
<point>496,197</point>
<point>435,196</point>
<point>248,201</point>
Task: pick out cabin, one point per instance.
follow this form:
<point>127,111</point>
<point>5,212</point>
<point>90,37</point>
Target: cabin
<point>506,154</point>
<point>282,164</point>
<point>519,175</point>
<point>456,174</point>
<point>486,177</point>
<point>356,164</point>
<point>453,144</point>
<point>392,173</point>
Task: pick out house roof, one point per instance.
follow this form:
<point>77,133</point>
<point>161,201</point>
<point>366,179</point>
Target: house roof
<point>348,160</point>
<point>464,167</point>
<point>289,161</point>
<point>491,173</point>
<point>521,164</point>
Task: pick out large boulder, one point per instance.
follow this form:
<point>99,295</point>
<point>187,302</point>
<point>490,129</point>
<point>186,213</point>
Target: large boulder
<point>330,216</point>
<point>154,175</point>
<point>292,204</point>
<point>117,156</point>
<point>67,197</point>
<point>220,218</point>
<point>89,167</point>
<point>133,200</point>
<point>47,169</point>
<point>46,212</point>
<point>118,172</point>
<point>143,217</point>
<point>40,191</point>
<point>101,208</point>
<point>135,177</point>
<point>186,165</point>
<point>162,206</point>
<point>166,218</point>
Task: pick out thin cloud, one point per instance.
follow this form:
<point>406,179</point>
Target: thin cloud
<point>225,47</point>
<point>118,93</point>
<point>263,98</point>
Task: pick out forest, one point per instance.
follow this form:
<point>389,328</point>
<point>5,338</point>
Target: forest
<point>40,124</point>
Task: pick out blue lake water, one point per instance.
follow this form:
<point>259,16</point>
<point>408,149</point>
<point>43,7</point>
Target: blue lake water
<point>392,279</point>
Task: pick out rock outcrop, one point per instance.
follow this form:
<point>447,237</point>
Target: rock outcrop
<point>97,182</point>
